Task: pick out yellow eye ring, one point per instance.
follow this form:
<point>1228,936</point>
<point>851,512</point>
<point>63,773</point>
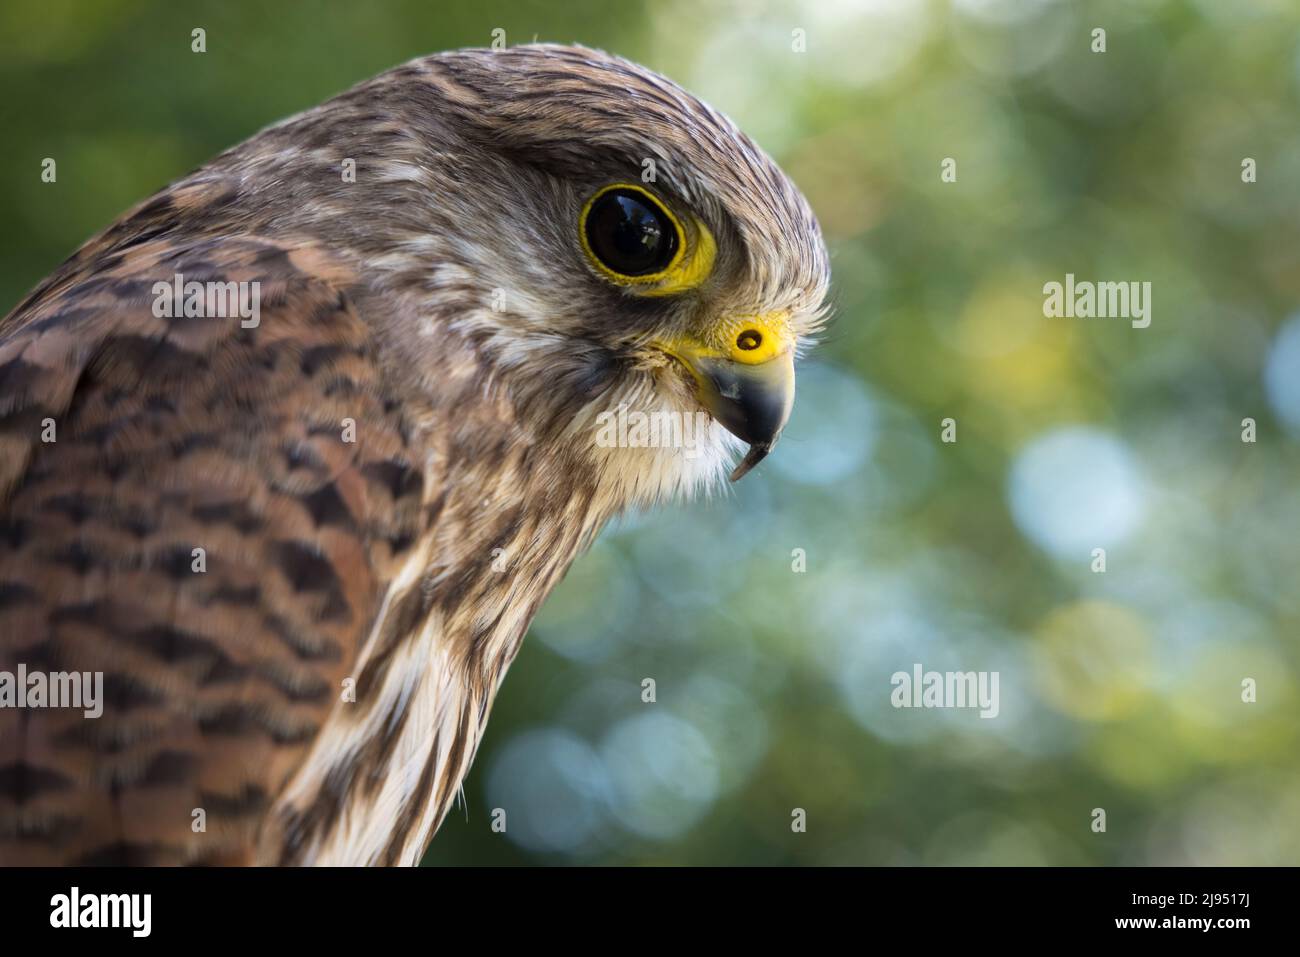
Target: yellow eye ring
<point>634,229</point>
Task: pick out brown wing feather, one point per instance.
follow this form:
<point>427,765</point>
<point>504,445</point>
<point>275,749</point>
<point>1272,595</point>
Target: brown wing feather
<point>172,435</point>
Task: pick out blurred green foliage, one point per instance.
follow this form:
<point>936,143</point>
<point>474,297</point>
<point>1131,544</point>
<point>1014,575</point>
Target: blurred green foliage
<point>1119,690</point>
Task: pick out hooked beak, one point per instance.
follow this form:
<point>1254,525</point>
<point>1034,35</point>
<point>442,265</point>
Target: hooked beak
<point>752,402</point>
<point>747,383</point>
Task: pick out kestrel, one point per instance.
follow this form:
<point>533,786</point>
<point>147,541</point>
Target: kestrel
<point>292,453</point>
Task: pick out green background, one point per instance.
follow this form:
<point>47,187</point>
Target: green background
<point>1118,690</point>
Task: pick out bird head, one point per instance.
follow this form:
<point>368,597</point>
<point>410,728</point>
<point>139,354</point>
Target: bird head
<point>608,244</point>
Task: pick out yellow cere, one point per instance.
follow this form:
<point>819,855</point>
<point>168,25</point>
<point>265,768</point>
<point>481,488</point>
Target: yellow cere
<point>688,267</point>
<point>749,339</point>
<point>755,339</point>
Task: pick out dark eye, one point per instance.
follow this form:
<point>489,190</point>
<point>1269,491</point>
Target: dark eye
<point>629,233</point>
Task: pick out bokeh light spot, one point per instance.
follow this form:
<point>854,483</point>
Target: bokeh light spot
<point>1076,489</point>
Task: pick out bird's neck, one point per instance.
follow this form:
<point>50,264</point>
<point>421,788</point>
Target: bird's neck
<point>502,517</point>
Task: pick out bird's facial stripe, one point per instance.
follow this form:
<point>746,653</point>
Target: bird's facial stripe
<point>638,214</point>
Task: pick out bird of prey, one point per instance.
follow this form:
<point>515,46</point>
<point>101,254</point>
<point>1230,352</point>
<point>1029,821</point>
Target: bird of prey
<point>299,539</point>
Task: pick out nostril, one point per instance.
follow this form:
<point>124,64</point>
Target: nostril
<point>749,340</point>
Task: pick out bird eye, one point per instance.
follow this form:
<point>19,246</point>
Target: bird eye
<point>629,233</point>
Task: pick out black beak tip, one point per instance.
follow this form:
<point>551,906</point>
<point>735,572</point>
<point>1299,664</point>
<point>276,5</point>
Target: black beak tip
<point>756,454</point>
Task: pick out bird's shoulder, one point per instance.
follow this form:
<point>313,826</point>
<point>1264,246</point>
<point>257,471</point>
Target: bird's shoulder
<point>203,510</point>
